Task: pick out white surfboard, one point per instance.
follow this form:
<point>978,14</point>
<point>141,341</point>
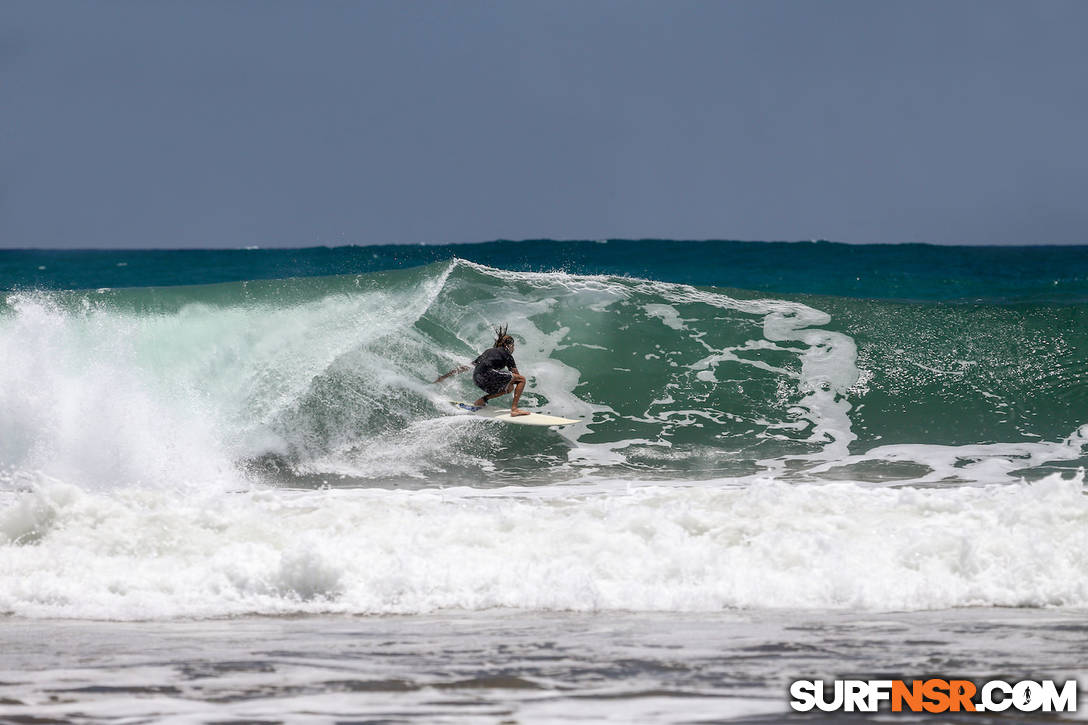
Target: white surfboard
<point>503,414</point>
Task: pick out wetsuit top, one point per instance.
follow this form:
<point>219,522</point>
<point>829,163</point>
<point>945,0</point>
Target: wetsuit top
<point>495,358</point>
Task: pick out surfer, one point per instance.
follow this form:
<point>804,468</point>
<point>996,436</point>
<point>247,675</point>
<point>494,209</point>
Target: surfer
<point>495,372</point>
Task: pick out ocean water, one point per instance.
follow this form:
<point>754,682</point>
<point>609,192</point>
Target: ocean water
<point>228,488</point>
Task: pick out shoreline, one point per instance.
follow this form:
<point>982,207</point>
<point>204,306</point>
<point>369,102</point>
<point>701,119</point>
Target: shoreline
<point>515,665</point>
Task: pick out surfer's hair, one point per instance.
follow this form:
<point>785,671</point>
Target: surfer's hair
<point>501,338</point>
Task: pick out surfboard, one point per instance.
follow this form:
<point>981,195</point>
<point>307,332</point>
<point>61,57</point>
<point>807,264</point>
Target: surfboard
<point>503,414</point>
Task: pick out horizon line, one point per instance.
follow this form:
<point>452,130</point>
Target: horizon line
<point>289,246</point>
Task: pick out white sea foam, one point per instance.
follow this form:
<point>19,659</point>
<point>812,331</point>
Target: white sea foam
<point>973,462</point>
<point>102,397</point>
<point>141,553</point>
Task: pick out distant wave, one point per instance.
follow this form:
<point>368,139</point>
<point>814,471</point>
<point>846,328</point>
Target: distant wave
<point>881,271</point>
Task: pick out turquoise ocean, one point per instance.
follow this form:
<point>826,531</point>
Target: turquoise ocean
<point>770,433</point>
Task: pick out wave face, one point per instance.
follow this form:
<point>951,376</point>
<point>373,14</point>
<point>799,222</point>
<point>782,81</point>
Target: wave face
<point>276,445</point>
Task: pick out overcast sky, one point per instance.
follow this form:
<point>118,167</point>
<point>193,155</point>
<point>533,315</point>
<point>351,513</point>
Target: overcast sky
<point>147,123</point>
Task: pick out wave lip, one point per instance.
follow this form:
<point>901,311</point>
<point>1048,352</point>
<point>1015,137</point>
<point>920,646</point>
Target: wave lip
<point>724,544</point>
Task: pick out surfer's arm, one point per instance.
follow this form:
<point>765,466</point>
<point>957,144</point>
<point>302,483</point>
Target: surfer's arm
<point>461,369</point>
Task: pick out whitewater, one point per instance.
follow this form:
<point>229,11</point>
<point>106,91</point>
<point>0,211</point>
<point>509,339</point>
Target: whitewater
<point>258,448</point>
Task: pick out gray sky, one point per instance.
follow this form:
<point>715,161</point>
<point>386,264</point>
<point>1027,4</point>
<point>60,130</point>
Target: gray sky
<point>146,123</point>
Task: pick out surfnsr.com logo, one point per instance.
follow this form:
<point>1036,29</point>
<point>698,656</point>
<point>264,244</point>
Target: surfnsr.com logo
<point>933,695</point>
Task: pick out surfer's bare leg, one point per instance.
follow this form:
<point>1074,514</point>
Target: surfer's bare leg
<point>517,384</point>
<point>483,400</point>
